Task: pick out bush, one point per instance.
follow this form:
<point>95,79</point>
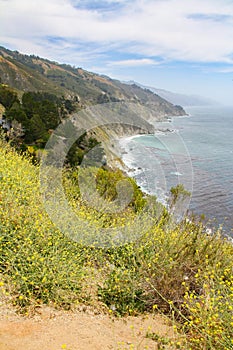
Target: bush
<point>175,269</point>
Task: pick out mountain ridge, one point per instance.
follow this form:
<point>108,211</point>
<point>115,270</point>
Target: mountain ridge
<point>179,98</point>
<point>45,93</point>
<point>32,73</point>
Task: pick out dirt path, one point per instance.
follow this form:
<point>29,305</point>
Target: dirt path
<point>56,330</point>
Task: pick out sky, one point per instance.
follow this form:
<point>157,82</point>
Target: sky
<point>184,46</point>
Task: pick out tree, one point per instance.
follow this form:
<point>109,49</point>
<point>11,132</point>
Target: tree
<point>17,113</point>
<point>178,201</point>
<point>49,114</point>
<point>29,105</point>
<point>37,131</point>
<point>7,97</point>
<point>43,104</point>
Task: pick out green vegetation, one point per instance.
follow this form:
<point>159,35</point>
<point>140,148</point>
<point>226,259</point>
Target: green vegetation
<point>176,269</point>
<point>32,73</point>
<point>7,96</point>
<point>172,268</point>
<point>33,120</point>
<point>37,114</point>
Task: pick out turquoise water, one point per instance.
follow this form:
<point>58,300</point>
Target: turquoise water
<point>198,153</point>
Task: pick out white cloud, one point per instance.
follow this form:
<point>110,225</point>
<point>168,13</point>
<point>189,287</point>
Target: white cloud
<point>172,29</point>
<point>224,70</point>
<point>134,62</point>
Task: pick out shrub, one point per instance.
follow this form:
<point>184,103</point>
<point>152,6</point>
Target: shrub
<point>175,269</point>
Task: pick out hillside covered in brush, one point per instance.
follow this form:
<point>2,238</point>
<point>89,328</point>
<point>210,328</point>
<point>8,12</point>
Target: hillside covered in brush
<point>32,73</point>
<point>173,269</point>
<point>137,260</point>
<point>37,95</point>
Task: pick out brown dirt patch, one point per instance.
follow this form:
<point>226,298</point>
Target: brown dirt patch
<point>56,330</point>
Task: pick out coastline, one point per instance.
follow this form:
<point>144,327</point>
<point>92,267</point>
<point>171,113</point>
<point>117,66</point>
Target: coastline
<point>206,133</point>
<point>121,157</point>
<point>136,171</point>
<point>122,143</point>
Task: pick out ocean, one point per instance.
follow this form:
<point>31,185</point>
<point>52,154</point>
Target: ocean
<point>198,153</point>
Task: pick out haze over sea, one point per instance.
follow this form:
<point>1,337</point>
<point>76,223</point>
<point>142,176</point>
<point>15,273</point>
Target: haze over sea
<point>198,154</point>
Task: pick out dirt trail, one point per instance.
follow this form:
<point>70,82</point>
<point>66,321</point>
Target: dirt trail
<point>56,330</point>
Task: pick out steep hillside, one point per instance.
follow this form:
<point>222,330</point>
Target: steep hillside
<point>178,98</point>
<point>165,268</point>
<point>38,95</point>
<point>184,100</point>
<point>32,73</point>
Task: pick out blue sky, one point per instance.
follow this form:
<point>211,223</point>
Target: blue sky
<point>184,46</point>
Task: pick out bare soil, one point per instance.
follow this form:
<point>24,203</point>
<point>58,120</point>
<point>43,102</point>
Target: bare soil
<point>50,329</point>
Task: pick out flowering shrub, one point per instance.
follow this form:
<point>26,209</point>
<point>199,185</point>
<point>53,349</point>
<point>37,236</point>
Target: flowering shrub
<point>171,268</point>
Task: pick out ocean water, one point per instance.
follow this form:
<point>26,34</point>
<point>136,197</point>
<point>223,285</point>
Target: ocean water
<point>198,153</point>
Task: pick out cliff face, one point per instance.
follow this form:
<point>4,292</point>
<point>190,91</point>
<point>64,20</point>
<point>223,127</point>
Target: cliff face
<point>32,73</point>
<point>133,107</point>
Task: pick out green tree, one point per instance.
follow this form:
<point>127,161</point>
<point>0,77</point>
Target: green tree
<point>49,114</point>
<point>17,113</point>
<point>45,105</point>
<point>7,96</point>
<point>37,131</point>
<point>29,104</point>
